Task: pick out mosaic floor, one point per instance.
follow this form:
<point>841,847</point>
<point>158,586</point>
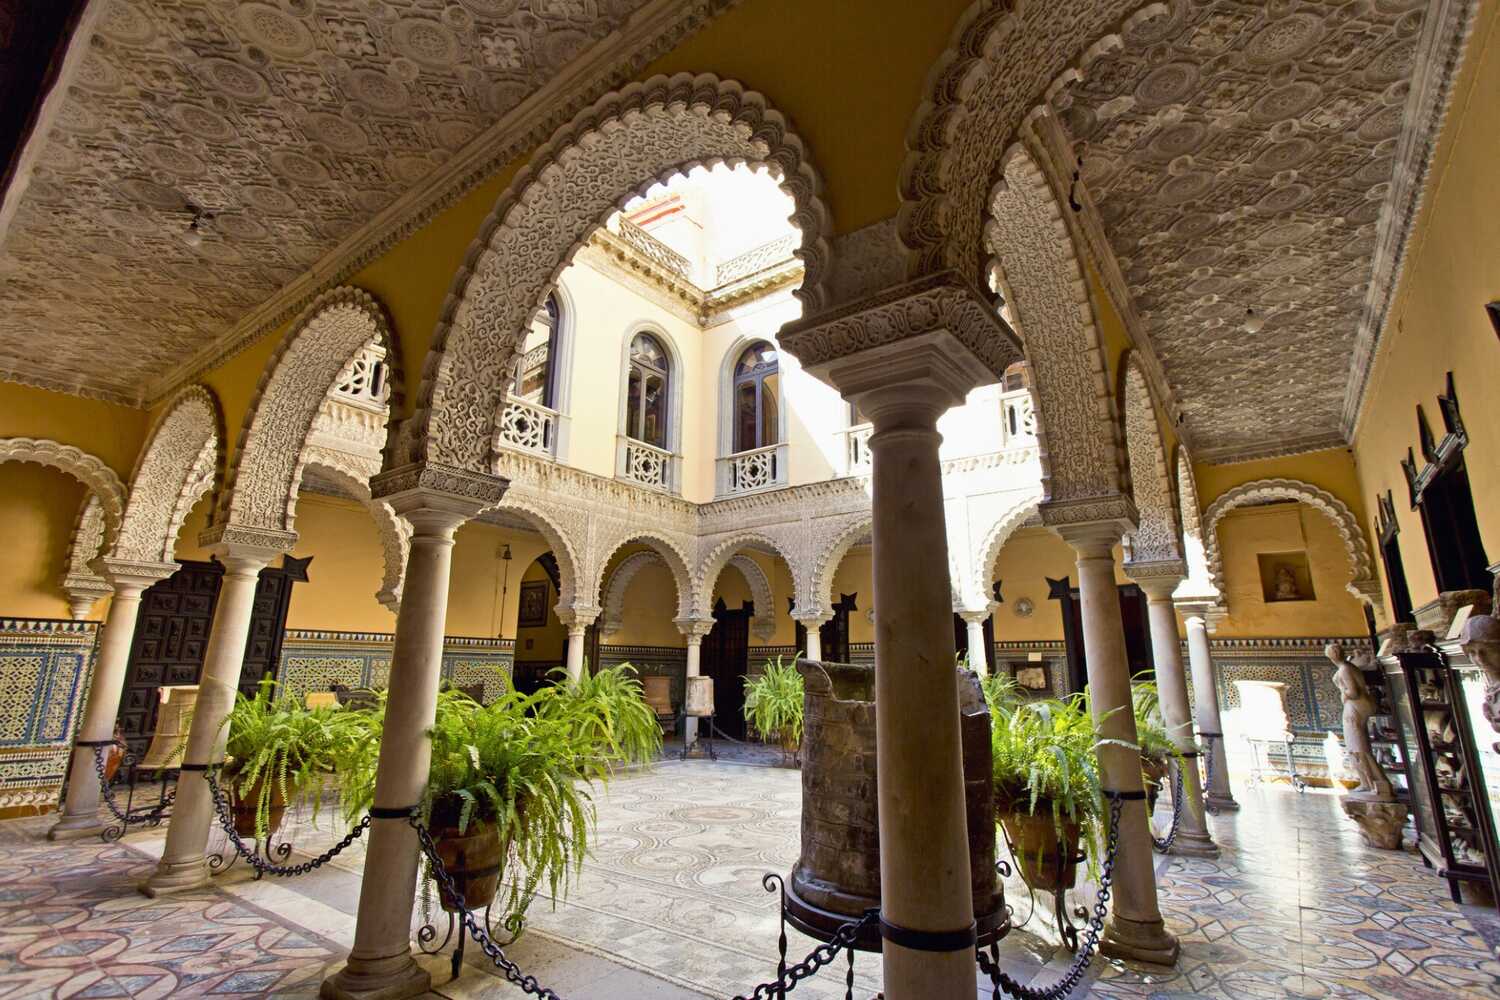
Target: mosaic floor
<point>671,907</point>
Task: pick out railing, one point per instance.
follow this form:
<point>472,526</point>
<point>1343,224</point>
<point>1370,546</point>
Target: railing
<point>767,255</point>
<point>654,249</point>
<point>749,471</point>
<point>1018,418</point>
<point>857,449</point>
<point>647,464</point>
<point>528,427</point>
<point>363,381</point>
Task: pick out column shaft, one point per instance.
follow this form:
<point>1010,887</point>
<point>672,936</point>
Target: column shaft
<point>813,646</point>
<point>924,848</point>
<point>1206,706</point>
<point>1193,838</point>
<point>575,651</point>
<point>81,806</point>
<point>381,964</point>
<point>1135,929</point>
<point>979,654</point>
<point>183,865</point>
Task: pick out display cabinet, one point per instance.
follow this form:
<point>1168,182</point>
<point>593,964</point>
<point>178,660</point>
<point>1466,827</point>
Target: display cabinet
<point>1451,790</point>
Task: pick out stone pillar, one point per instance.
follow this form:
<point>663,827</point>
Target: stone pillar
<point>80,816</point>
<point>1158,580</point>
<point>693,630</point>
<point>244,553</point>
<point>1206,704</point>
<point>1135,929</point>
<point>577,620</point>
<point>979,653</point>
<point>812,622</point>
<point>436,502</point>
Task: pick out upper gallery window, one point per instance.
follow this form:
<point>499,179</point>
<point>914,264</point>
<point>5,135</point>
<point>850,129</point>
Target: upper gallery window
<point>646,391</point>
<point>536,381</point>
<point>757,398</point>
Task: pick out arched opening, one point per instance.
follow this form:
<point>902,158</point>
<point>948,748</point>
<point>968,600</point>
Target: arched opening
<point>541,637</point>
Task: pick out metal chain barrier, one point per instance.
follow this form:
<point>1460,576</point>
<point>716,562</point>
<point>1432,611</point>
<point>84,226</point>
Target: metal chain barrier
<point>788,976</point>
<point>990,964</point>
<point>125,817</point>
<point>1208,771</point>
<point>1164,844</point>
<point>263,867</point>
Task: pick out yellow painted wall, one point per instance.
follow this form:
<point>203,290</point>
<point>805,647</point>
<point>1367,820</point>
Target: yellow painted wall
<point>1247,531</point>
<point>34,506</point>
<point>650,605</point>
<point>1437,322</point>
<point>347,567</point>
<point>109,432</point>
<point>541,643</point>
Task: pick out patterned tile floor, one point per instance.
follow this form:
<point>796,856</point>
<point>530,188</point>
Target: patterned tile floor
<point>671,908</point>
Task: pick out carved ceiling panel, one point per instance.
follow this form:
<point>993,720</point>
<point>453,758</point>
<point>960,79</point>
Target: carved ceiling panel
<point>1242,157</point>
<point>291,121</point>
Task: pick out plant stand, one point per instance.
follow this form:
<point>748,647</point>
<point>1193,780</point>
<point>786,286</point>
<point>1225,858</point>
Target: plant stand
<point>152,812</point>
<point>513,925</point>
<point>266,848</point>
<point>1062,912</point>
<point>702,742</point>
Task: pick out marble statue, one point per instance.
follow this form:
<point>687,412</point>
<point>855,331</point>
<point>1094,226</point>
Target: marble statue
<point>1359,705</point>
<point>1286,585</point>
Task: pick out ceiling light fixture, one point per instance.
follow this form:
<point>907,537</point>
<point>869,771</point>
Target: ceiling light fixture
<point>1254,321</point>
<point>197,227</point>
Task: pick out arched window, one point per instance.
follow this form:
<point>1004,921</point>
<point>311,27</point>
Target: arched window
<point>646,391</point>
<point>536,376</point>
<point>757,398</point>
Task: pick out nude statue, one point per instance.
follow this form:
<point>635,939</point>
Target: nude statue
<point>1286,585</point>
<point>1480,639</point>
<point>1359,705</point>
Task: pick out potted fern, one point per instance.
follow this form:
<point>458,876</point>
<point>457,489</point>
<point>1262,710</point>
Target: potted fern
<point>278,752</point>
<point>608,711</point>
<point>1047,790</point>
<point>1157,749</point>
<point>774,705</point>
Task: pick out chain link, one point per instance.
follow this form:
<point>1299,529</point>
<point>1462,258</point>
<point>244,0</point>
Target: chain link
<point>822,955</point>
<point>221,806</point>
<point>152,815</point>
<point>990,964</point>
<point>1164,844</point>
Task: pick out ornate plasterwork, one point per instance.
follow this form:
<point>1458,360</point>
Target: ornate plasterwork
<point>612,617</point>
<point>1243,157</point>
<point>1362,582</point>
<point>936,302</point>
<point>567,535</point>
<point>763,623</point>
<point>617,148</point>
<point>294,122</point>
<point>1199,583</point>
<point>88,469</point>
<point>179,463</point>
<point>1156,537</point>
<point>1023,513</point>
<point>866,261</point>
<point>615,534</point>
<point>80,582</point>
<point>261,488</point>
<point>1033,260</point>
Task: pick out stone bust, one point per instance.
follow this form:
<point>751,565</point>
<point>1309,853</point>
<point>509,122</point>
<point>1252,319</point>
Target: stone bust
<point>1480,640</point>
<point>1359,705</point>
<point>1286,585</point>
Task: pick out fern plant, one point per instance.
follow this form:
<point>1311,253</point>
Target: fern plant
<point>280,749</point>
<point>774,704</point>
<point>608,711</point>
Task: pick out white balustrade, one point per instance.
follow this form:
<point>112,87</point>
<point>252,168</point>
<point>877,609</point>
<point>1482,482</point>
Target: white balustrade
<point>757,259</point>
<point>646,464</point>
<point>857,449</point>
<point>363,381</point>
<point>749,471</point>
<point>1018,417</point>
<point>528,427</point>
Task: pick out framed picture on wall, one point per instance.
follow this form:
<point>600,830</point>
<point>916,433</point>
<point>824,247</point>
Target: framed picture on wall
<point>533,611</point>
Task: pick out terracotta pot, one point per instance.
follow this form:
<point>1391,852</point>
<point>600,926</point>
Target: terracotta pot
<point>113,757</point>
<point>1048,856</point>
<point>1154,773</point>
<point>474,859</point>
<point>244,806</point>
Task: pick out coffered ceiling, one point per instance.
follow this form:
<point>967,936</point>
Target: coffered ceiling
<point>291,121</point>
<point>1261,155</point>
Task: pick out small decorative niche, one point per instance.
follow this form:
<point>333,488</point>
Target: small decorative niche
<point>1285,576</point>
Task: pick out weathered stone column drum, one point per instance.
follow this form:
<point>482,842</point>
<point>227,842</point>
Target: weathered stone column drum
<point>837,876</point>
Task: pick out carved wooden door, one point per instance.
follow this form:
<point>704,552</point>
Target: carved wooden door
<point>726,658</point>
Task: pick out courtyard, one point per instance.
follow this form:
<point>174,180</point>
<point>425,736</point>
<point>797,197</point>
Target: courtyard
<point>671,906</point>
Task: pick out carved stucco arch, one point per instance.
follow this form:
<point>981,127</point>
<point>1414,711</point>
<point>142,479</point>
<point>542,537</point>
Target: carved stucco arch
<point>818,598</point>
<point>1157,537</point>
<point>353,474</point>
<point>83,586</point>
<point>88,469</point>
<point>669,551</point>
<point>994,540</point>
<point>181,461</point>
<point>564,544</point>
<point>1199,582</point>
<point>630,139</point>
<point>612,600</point>
<point>757,581</point>
<point>1362,583</point>
<point>726,551</point>
<point>1001,61</point>
<point>261,488</point>
<point>1033,257</point>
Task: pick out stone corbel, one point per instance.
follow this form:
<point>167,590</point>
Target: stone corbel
<point>84,590</point>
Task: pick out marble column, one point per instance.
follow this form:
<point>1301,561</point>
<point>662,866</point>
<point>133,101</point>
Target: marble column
<point>979,651</point>
<point>1158,581</point>
<point>577,621</point>
<point>812,623</point>
<point>693,630</point>
<point>1135,929</point>
<point>381,965</point>
<point>1206,703</point>
<point>244,553</point>
<point>80,816</point>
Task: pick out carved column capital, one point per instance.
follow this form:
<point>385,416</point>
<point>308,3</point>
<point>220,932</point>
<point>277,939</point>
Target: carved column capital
<point>694,629</point>
<point>122,573</point>
<point>241,542</point>
<point>430,486</point>
<point>578,617</point>
<point>812,619</point>
<point>1158,578</point>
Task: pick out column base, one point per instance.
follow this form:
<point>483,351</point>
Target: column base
<point>396,978</point>
<point>1193,845</point>
<point>1139,942</point>
<point>76,827</point>
<point>176,876</point>
<point>1226,803</point>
